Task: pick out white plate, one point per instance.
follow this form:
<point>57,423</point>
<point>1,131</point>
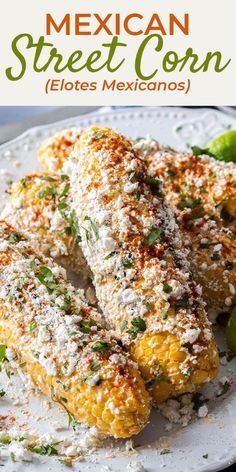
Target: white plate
<point>214,435</point>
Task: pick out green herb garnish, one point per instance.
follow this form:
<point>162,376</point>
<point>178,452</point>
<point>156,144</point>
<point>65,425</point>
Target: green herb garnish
<point>2,353</point>
<point>123,325</point>
<point>165,451</point>
<point>127,263</point>
<point>154,234</point>
<point>111,254</point>
<point>47,192</point>
<point>138,326</point>
<point>100,346</point>
<point>32,326</point>
<point>93,227</point>
<point>46,277</point>
<point>95,366</point>
<point>47,450</point>
<point>47,178</point>
<point>183,302</point>
<point>15,238</point>
<point>65,191</point>
<point>167,288</point>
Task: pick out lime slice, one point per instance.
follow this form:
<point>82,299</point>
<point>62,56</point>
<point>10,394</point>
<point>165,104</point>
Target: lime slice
<point>231,332</point>
<point>224,147</point>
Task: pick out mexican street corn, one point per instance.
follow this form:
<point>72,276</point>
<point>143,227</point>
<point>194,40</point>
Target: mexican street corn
<point>192,181</point>
<point>58,341</point>
<point>203,191</point>
<point>38,207</point>
<point>133,246</point>
<point>55,150</point>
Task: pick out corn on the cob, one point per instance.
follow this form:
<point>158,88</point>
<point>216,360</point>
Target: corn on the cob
<point>59,341</point>
<point>199,182</point>
<point>55,150</point>
<point>38,207</point>
<point>132,243</point>
<point>203,191</point>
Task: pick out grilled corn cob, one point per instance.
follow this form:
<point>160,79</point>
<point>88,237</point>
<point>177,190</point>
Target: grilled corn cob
<point>55,151</point>
<point>38,207</point>
<point>59,341</point>
<point>192,181</point>
<point>132,243</point>
<point>204,194</point>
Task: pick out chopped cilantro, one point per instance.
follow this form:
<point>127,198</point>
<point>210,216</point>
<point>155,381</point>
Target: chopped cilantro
<point>127,263</point>
<point>24,182</point>
<point>48,178</point>
<point>47,192</point>
<point>67,304</point>
<point>138,325</point>
<point>65,177</point>
<point>167,288</point>
<point>155,184</point>
<point>188,203</point>
<point>215,256</point>
<point>74,227</point>
<point>95,366</point>
<point>100,346</point>
<point>62,207</point>
<point>198,400</point>
<point>86,324</point>
<point>123,325</point>
<point>97,135</point>
<point>224,390</point>
<point>47,450</point>
<point>46,277</point>
<point>134,176</point>
<point>65,191</point>
<point>204,245</point>
<point>16,238</point>
<point>5,440</point>
<point>2,393</point>
<point>63,399</point>
<point>165,451</point>
<point>205,456</point>
<point>2,353</point>
<point>32,326</point>
<point>171,172</point>
<point>93,227</point>
<point>111,254</point>
<point>154,234</point>
<point>164,311</point>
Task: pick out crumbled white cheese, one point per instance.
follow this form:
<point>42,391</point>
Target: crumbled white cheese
<point>135,467</point>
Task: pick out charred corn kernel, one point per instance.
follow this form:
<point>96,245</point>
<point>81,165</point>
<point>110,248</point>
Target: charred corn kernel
<point>59,341</point>
<point>55,150</point>
<point>203,191</point>
<point>132,243</point>
<point>39,207</point>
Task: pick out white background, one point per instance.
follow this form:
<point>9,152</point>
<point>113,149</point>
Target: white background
<point>212,28</point>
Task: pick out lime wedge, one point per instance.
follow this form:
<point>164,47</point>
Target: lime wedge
<point>231,332</point>
<point>224,147</point>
